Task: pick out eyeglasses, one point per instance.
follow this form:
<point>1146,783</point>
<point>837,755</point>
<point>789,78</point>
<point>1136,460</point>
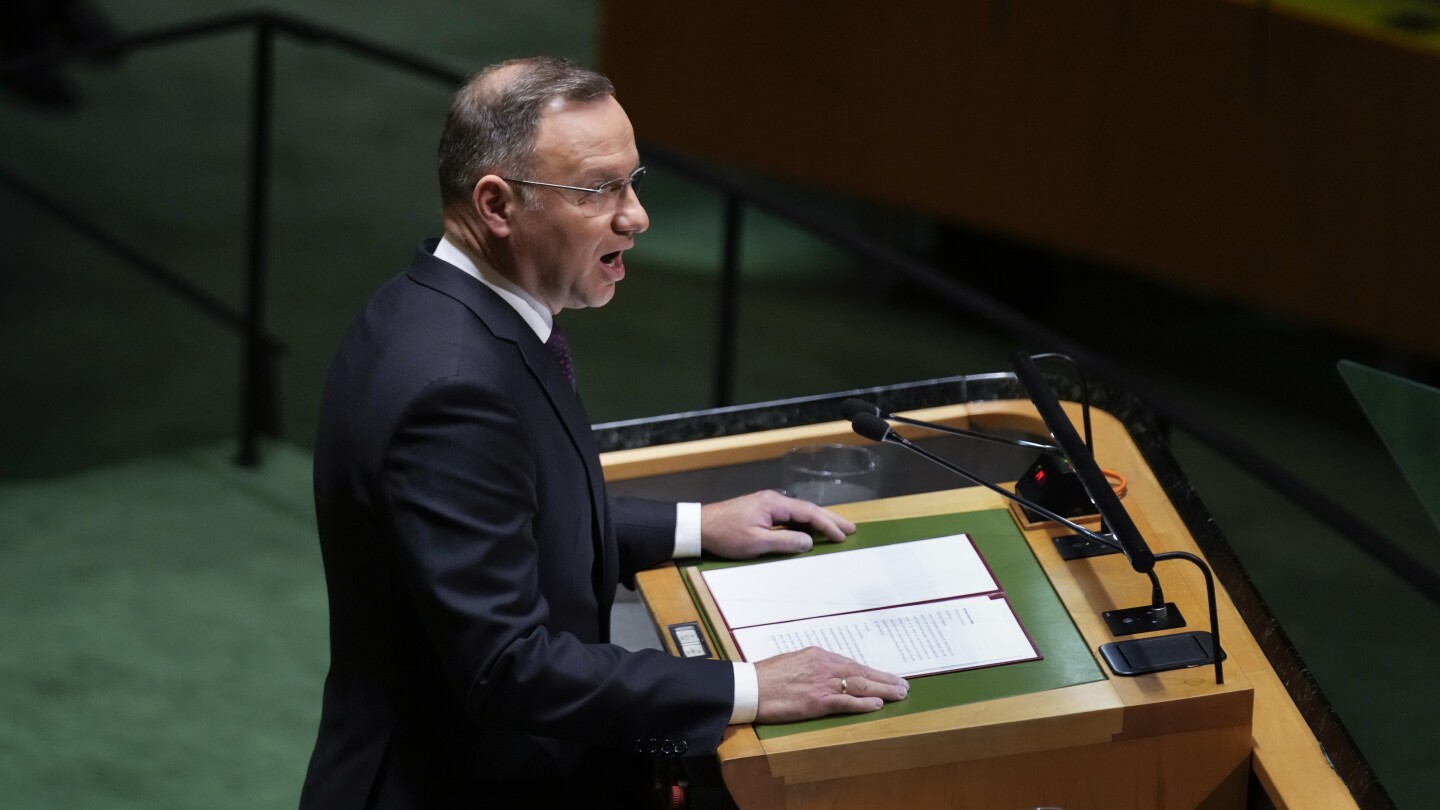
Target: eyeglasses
<point>601,199</point>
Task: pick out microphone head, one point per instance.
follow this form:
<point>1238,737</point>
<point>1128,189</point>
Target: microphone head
<point>852,407</point>
<point>870,426</point>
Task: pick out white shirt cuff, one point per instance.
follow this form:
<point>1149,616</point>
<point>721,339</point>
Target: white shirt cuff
<point>747,683</point>
<point>747,693</point>
<point>687,530</point>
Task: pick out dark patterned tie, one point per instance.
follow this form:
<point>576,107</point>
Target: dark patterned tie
<point>560,347</point>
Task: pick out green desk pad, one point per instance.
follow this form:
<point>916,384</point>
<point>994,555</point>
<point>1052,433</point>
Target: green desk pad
<point>1066,660</point>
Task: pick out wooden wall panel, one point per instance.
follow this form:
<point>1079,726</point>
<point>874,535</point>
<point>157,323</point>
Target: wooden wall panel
<point>1268,156</point>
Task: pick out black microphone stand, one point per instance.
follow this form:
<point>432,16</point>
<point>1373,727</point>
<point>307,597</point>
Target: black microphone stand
<point>854,407</point>
<point>1134,656</point>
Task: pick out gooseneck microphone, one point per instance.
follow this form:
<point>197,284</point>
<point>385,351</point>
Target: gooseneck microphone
<point>853,407</point>
<point>1136,655</point>
<point>872,427</point>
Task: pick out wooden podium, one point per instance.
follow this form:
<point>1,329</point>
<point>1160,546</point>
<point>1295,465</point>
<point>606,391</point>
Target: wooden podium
<point>1166,740</point>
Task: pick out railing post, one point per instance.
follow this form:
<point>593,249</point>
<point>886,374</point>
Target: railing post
<point>258,407</point>
<point>727,330</point>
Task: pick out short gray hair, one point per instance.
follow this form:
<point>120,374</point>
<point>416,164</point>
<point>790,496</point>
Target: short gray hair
<point>492,123</point>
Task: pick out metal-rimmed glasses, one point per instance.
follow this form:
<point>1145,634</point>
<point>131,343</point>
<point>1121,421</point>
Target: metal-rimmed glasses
<point>601,199</point>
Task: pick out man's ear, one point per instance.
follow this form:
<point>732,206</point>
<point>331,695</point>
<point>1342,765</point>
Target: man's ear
<point>494,202</point>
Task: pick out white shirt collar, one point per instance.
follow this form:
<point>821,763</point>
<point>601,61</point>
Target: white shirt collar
<point>536,315</point>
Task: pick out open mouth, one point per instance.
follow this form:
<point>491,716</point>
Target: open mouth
<point>614,265</point>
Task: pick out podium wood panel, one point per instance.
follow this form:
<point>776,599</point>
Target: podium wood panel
<point>1187,741</point>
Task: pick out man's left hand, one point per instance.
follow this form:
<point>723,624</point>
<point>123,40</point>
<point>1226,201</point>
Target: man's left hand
<point>746,527</point>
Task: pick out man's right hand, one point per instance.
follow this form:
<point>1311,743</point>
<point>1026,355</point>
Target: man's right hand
<point>813,682</point>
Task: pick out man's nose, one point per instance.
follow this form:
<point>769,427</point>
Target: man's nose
<point>630,217</point>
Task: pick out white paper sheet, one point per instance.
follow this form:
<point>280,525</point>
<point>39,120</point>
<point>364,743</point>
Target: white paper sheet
<point>954,634</point>
<point>844,582</point>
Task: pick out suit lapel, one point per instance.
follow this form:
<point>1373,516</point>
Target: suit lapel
<point>506,324</point>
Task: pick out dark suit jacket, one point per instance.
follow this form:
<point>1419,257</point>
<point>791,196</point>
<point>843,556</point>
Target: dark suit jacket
<point>471,559</point>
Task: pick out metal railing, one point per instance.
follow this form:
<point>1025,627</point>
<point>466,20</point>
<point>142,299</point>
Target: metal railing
<point>259,390</point>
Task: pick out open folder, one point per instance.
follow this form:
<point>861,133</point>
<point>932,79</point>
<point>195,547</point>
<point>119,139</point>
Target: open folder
<point>912,608</point>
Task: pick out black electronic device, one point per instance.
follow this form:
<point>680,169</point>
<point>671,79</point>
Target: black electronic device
<point>1053,483</point>
<point>1160,653</point>
<point>689,640</point>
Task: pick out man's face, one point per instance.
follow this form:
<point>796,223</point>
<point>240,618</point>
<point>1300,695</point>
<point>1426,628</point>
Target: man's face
<point>571,257</point>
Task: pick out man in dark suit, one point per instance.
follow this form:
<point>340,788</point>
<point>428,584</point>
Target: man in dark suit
<point>471,552</point>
